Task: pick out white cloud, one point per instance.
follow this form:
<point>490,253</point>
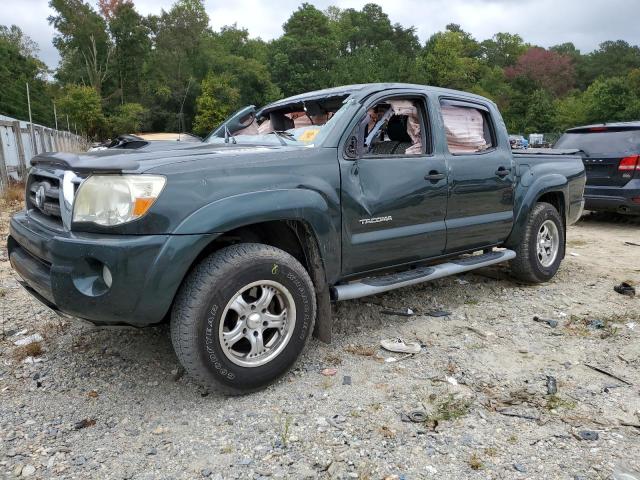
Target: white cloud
<point>541,22</point>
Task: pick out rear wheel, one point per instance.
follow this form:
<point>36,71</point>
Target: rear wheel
<point>539,254</point>
<point>242,317</point>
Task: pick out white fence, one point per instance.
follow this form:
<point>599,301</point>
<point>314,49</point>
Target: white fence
<point>20,141</point>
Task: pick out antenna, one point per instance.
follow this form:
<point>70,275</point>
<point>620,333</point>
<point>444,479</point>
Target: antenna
<point>181,114</point>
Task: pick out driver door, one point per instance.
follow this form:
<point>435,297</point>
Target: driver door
<point>394,198</point>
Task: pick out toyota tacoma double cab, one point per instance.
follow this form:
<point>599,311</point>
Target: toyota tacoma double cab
<point>244,240</point>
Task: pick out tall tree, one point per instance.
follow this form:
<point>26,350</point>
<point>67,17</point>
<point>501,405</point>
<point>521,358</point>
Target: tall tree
<point>18,66</point>
<point>546,69</point>
<point>304,57</point>
<point>83,43</point>
<point>132,44</point>
<point>503,49</point>
<point>445,61</point>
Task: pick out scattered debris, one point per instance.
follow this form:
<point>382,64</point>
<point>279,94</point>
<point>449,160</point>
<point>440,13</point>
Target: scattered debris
<point>632,244</point>
<point>588,435</point>
<point>92,394</point>
<point>477,331</point>
<point>609,374</point>
<point>596,324</point>
<point>414,416</point>
<point>400,313</point>
<point>625,289</point>
<point>438,313</point>
<point>627,424</point>
<point>452,380</point>
<point>462,281</point>
<point>329,372</point>
<point>510,413</point>
<point>36,337</point>
<point>520,468</point>
<point>336,421</point>
<point>548,321</point>
<point>398,345</point>
<point>552,385</point>
<point>574,254</point>
<point>631,325</point>
<point>346,380</point>
<point>84,423</point>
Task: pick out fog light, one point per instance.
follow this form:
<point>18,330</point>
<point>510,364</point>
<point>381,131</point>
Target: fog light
<point>106,276</point>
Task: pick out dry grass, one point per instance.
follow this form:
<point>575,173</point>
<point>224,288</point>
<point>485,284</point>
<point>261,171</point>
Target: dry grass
<point>13,194</point>
<point>363,350</point>
<point>31,350</point>
<point>474,462</point>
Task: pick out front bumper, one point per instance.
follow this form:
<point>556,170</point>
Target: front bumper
<point>614,199</point>
<point>65,270</point>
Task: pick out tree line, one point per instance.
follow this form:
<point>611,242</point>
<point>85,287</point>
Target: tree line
<point>122,72</point>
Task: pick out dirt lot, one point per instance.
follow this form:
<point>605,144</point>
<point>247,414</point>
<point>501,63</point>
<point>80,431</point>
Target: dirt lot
<point>112,403</point>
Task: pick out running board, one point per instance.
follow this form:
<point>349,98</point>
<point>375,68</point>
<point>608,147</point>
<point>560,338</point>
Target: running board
<point>373,285</point>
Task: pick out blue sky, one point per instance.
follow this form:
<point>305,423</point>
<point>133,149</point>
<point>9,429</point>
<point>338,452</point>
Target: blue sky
<point>542,22</point>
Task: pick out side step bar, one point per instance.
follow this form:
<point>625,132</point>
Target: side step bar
<point>373,285</point>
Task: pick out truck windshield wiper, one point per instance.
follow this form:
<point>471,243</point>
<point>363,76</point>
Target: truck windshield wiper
<point>280,135</point>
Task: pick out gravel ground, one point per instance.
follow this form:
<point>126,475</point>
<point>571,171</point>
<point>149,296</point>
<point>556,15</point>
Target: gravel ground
<point>113,403</point>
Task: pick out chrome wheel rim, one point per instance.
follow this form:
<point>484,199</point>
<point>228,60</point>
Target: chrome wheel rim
<point>547,243</point>
<point>257,323</point>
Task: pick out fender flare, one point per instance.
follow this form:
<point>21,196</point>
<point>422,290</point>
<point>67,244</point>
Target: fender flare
<point>303,205</point>
<point>528,197</point>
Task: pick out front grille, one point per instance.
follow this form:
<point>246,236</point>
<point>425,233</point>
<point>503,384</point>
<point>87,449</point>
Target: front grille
<point>43,194</point>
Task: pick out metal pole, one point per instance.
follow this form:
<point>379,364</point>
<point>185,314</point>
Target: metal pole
<point>55,114</point>
<point>68,127</point>
<point>33,137</point>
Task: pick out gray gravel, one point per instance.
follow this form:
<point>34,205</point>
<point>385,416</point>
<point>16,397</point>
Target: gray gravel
<point>114,403</point>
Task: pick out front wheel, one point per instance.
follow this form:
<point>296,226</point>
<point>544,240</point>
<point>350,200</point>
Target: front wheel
<point>242,317</point>
<point>541,250</point>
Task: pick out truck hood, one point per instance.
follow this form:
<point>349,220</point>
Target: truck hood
<point>153,155</point>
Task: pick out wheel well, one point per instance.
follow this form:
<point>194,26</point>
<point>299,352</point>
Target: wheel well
<point>283,234</point>
<point>556,199</point>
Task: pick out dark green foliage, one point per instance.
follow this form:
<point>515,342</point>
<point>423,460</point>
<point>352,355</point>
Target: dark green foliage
<point>121,72</point>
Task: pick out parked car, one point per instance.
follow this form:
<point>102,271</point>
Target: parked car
<point>611,156</point>
<point>243,240</point>
<point>518,142</point>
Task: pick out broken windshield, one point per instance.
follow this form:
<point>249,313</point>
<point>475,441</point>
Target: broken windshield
<point>297,123</point>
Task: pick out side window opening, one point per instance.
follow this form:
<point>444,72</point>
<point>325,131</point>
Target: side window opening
<point>395,126</point>
<point>468,129</point>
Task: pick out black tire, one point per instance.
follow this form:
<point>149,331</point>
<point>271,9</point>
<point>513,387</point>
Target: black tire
<point>527,267</point>
<point>207,291</point>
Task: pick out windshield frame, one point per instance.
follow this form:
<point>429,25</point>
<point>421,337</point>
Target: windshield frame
<point>326,133</point>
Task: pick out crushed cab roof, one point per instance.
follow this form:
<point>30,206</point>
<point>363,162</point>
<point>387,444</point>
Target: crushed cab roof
<point>363,90</point>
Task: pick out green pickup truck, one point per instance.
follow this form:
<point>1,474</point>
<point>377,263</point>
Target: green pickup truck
<point>243,241</point>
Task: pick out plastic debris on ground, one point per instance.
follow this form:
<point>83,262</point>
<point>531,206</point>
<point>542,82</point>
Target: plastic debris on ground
<point>36,337</point>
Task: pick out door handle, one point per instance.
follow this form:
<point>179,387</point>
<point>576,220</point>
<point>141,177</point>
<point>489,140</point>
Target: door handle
<point>503,172</point>
<point>434,176</point>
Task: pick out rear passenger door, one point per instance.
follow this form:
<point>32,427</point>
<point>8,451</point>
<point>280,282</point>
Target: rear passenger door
<point>481,176</point>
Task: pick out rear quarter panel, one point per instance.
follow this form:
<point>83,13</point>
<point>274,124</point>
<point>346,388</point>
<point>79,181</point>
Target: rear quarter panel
<point>538,174</point>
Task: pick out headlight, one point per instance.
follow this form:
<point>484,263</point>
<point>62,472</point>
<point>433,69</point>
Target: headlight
<point>115,199</point>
